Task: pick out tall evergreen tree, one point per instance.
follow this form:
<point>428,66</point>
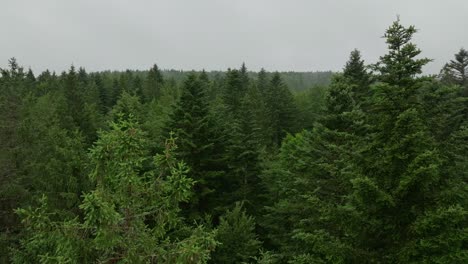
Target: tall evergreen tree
<point>398,182</point>
<point>456,71</point>
<point>12,192</point>
<point>71,86</point>
<point>247,139</point>
<point>233,91</point>
<point>262,81</point>
<point>355,70</point>
<point>308,182</point>
<point>190,121</point>
<point>399,66</point>
<point>281,108</point>
<point>152,85</point>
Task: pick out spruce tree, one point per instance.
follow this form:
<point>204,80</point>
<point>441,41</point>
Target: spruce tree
<point>190,122</point>
<point>233,91</point>
<point>152,85</point>
<point>399,184</point>
<point>456,71</point>
<point>308,182</point>
<point>245,144</point>
<point>399,66</point>
<point>281,109</point>
<point>84,113</point>
<point>75,102</point>
<point>262,81</point>
<point>12,191</point>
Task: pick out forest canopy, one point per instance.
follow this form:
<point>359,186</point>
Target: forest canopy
<point>366,165</point>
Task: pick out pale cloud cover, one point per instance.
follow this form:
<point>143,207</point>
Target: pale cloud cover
<point>298,35</point>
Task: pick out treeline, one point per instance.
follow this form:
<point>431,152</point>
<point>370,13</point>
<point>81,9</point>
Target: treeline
<point>233,167</point>
<point>296,81</point>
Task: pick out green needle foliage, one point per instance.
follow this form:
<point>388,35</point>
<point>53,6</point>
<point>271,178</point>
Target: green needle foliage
<point>130,217</point>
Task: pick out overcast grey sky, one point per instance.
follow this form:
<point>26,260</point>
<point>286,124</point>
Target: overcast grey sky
<point>298,35</point>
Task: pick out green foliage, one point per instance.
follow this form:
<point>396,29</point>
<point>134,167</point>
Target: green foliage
<point>371,181</point>
<point>127,105</point>
<point>51,161</point>
<point>455,72</point>
<point>152,85</point>
<point>359,167</point>
<point>281,109</point>
<point>399,66</point>
<point>191,123</point>
<point>310,105</point>
<point>237,238</point>
<point>128,217</point>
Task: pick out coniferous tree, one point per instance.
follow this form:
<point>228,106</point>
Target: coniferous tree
<point>52,160</point>
<point>84,113</point>
<point>30,81</point>
<point>74,97</point>
<point>12,192</point>
<point>355,70</point>
<point>46,82</point>
<point>308,182</point>
<point>377,173</point>
<point>237,238</point>
<point>281,108</point>
<point>399,184</point>
<point>246,141</point>
<point>399,66</point>
<point>190,121</point>
<point>233,91</point>
<point>456,71</point>
<point>152,85</point>
<point>127,105</point>
<point>262,82</point>
<point>128,217</point>
<point>310,104</point>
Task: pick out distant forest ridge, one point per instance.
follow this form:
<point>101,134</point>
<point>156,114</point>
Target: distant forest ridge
<point>296,81</point>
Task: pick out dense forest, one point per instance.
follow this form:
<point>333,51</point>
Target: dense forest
<point>368,165</point>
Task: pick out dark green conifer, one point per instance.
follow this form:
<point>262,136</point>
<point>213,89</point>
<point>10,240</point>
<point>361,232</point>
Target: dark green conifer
<point>190,122</point>
<point>152,85</point>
